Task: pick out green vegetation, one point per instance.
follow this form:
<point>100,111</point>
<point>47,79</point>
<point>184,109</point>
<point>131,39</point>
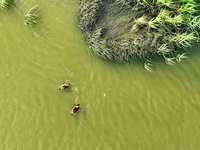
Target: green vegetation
<point>132,29</point>
<point>32,16</point>
<point>7,4</point>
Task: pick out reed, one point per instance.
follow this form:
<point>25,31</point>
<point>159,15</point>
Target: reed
<point>179,57</point>
<point>7,4</point>
<point>172,4</point>
<point>135,29</point>
<point>139,22</point>
<point>189,8</point>
<point>164,49</point>
<point>184,39</point>
<point>170,61</point>
<point>194,24</point>
<point>148,65</point>
<point>32,16</point>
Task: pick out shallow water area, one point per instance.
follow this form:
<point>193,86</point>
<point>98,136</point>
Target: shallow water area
<point>122,105</point>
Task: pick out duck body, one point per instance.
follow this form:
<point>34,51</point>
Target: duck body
<point>64,86</point>
<point>75,109</point>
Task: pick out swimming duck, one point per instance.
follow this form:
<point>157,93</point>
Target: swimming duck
<point>75,109</point>
<point>64,86</point>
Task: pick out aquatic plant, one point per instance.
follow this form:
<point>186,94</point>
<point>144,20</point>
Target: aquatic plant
<point>7,4</point>
<point>32,16</point>
<point>132,29</point>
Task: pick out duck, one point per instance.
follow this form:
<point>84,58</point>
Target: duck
<point>75,109</point>
<point>64,85</point>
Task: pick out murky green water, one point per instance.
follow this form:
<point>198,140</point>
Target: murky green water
<point>123,106</point>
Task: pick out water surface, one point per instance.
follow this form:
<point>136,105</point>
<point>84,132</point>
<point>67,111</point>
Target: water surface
<point>123,106</point>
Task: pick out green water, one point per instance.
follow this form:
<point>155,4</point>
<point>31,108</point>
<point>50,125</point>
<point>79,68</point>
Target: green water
<point>123,106</point>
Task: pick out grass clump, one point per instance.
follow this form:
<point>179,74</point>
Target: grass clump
<point>132,29</point>
<point>32,16</point>
<point>7,4</point>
